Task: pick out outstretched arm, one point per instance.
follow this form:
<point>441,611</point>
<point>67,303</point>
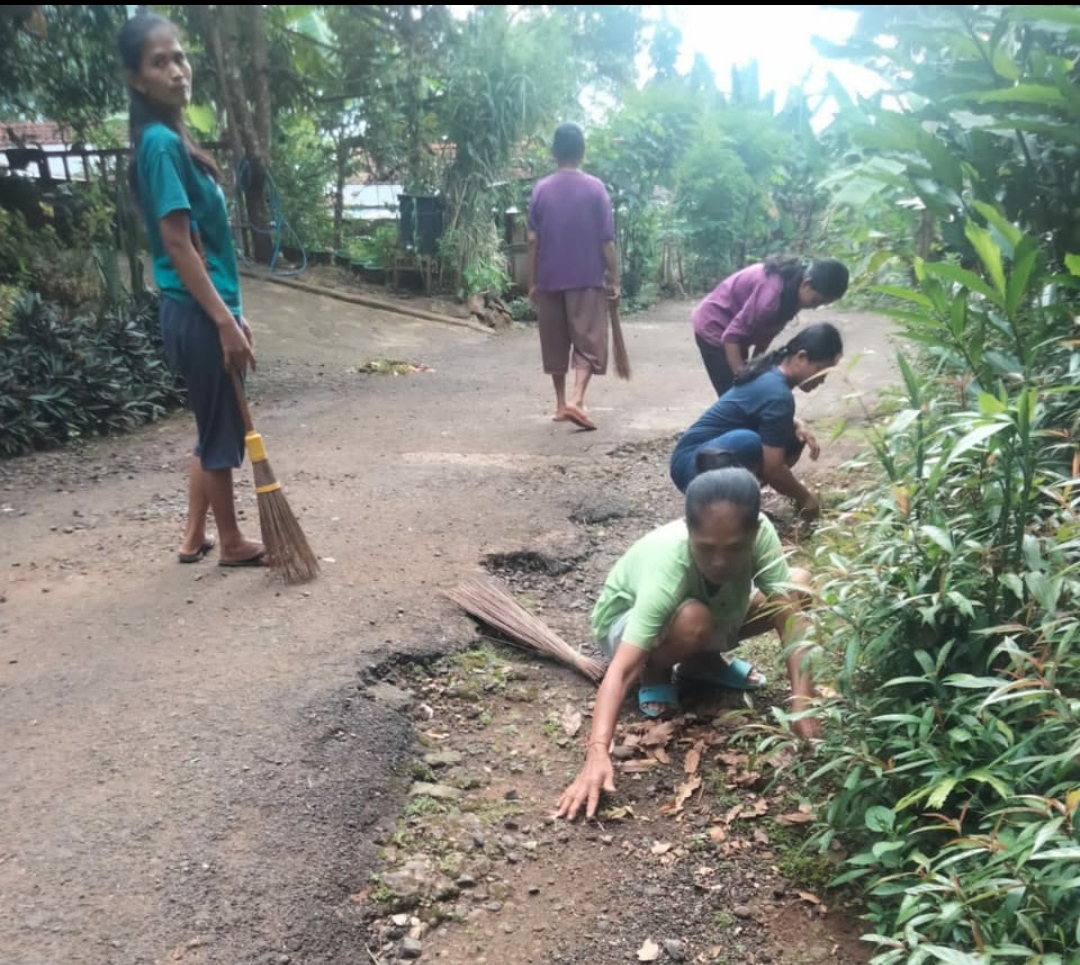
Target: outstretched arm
<point>791,623</point>
<point>597,774</point>
<point>777,473</point>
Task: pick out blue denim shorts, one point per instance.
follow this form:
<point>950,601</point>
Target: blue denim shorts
<point>193,351</point>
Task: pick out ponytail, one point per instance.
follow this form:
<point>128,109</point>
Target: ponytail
<point>791,270</point>
<point>821,342</point>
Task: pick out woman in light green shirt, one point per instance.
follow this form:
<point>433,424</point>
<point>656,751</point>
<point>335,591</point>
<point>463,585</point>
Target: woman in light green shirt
<point>678,600</point>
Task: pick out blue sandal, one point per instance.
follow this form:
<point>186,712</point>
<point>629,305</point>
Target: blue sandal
<point>736,676</point>
<point>665,694</point>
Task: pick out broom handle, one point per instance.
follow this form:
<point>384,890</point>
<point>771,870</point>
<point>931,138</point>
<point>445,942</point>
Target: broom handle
<point>241,400</point>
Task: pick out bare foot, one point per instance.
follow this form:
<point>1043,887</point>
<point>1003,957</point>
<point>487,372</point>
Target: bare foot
<point>577,416</point>
<point>241,551</point>
<point>560,416</point>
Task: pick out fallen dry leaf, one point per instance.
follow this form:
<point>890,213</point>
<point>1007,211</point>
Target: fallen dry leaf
<point>796,817</point>
<point>717,834</point>
<point>661,847</point>
<point>810,897</point>
<point>732,813</point>
<point>617,814</point>
<point>661,755</point>
<point>693,758</point>
<point>637,767</point>
<point>571,721</point>
<point>649,952</point>
<point>659,735</point>
<point>731,759</point>
<point>761,836</point>
<point>684,790</point>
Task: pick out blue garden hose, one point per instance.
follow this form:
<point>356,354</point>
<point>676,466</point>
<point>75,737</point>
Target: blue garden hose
<point>279,228</point>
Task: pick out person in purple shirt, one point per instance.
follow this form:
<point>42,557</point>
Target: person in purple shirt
<point>747,310</point>
<point>571,246</point>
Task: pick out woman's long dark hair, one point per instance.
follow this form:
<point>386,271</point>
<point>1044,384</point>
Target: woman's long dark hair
<point>827,276</point>
<point>821,342</point>
<point>142,112</point>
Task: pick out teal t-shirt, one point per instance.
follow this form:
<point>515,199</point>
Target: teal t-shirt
<point>657,574</point>
<point>168,181</point>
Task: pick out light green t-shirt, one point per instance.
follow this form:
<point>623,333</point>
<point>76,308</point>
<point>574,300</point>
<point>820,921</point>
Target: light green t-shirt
<point>657,574</point>
<point>168,181</point>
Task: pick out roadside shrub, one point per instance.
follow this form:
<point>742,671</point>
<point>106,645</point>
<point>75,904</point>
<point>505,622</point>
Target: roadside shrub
<point>64,378</point>
<point>950,770</point>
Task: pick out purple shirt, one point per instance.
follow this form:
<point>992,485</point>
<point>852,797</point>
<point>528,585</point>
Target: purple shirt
<point>570,211</point>
<point>744,308</point>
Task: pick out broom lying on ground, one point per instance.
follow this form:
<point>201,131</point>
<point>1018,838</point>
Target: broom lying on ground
<point>497,608</point>
<point>622,359</point>
<point>287,551</point>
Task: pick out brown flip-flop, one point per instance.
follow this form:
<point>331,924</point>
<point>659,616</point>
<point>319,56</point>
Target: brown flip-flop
<point>576,416</point>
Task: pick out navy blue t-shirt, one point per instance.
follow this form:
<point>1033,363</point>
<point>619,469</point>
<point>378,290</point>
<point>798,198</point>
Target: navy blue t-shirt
<point>765,405</point>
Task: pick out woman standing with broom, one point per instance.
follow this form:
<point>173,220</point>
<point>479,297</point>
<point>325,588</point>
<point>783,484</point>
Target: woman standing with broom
<point>206,337</point>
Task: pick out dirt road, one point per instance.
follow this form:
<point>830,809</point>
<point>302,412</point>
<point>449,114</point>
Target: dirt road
<point>189,770</point>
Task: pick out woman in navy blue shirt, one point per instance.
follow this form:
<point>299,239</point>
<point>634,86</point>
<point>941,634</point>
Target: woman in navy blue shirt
<point>761,401</point>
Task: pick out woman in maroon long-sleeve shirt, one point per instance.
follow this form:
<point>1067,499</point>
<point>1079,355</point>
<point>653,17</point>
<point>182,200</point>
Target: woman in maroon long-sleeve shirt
<point>747,310</point>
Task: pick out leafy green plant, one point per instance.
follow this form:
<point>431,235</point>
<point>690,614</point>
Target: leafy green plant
<point>375,250</point>
<point>951,606</point>
<point>62,378</point>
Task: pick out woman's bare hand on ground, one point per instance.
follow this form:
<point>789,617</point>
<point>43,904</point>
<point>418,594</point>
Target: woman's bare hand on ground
<point>596,776</point>
<point>811,508</point>
<point>236,348</point>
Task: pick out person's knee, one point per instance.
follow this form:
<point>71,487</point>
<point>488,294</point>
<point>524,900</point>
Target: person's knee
<point>691,627</point>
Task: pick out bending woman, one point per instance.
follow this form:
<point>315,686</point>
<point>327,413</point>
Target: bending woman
<point>206,337</point>
<point>762,401</point>
<point>749,309</point>
<point>681,597</point>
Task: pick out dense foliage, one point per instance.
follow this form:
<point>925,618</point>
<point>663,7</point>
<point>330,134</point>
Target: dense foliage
<point>64,378</point>
<point>950,771</point>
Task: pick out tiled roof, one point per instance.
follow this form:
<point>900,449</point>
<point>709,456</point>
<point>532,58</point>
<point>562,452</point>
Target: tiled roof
<point>33,134</point>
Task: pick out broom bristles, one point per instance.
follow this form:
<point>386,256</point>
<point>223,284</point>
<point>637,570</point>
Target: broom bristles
<point>622,357</point>
<point>497,608</point>
<point>287,551</point>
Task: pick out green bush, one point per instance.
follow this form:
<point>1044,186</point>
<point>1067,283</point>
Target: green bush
<point>63,378</point>
<point>951,766</point>
<point>374,250</point>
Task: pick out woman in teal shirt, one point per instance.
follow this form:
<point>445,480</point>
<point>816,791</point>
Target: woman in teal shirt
<point>206,336</point>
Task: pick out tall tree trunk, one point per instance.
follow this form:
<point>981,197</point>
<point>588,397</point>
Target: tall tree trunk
<point>248,113</point>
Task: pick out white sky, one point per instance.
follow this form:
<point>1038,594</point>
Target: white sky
<point>777,36</point>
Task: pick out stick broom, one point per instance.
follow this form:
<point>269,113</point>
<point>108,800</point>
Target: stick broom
<point>287,551</point>
<point>622,359</point>
<point>489,603</point>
